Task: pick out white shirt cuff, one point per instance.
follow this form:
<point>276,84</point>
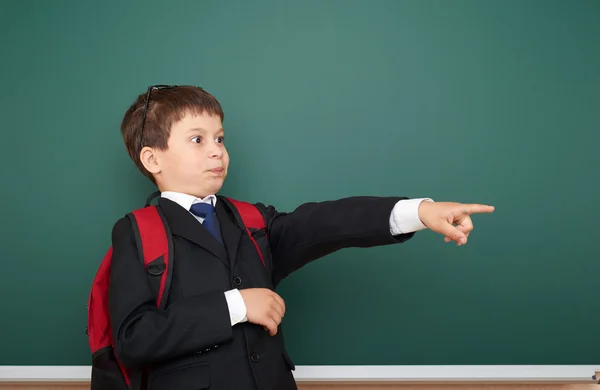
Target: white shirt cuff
<point>405,216</point>
<point>236,305</point>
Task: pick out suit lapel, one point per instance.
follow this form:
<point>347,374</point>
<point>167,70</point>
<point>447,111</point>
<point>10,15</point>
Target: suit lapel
<point>229,230</point>
<point>183,224</point>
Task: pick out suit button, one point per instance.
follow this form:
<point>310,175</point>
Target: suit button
<point>255,357</point>
<point>237,281</point>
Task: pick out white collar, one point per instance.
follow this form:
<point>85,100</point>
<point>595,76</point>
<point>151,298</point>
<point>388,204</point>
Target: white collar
<point>186,201</point>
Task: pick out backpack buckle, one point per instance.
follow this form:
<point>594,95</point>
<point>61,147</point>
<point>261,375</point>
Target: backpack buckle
<point>157,267</point>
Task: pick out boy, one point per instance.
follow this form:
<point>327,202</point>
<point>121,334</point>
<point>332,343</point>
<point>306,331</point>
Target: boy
<point>220,327</point>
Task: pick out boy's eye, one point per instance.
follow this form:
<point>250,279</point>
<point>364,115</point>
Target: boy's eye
<point>197,139</point>
<point>221,139</point>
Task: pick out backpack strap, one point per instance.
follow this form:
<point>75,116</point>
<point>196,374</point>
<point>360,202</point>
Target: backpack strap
<point>249,217</point>
<point>155,246</point>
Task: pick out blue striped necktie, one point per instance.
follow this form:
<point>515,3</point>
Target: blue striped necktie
<point>211,223</point>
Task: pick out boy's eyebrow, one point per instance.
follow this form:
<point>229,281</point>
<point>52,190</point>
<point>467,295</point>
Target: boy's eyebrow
<point>221,130</point>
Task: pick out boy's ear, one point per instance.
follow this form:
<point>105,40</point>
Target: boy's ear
<point>149,159</point>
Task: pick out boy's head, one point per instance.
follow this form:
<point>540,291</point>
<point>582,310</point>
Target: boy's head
<point>174,134</point>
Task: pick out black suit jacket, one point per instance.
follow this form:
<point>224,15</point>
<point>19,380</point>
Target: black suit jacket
<point>191,344</point>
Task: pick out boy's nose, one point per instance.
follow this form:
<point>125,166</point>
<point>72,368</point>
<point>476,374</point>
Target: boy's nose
<point>216,152</point>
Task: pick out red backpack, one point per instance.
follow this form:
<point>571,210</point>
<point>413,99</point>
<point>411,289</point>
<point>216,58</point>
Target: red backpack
<point>154,241</point>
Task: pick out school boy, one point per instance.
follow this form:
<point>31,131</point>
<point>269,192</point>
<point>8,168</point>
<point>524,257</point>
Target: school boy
<point>220,328</point>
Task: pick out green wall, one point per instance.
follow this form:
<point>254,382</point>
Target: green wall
<point>474,101</point>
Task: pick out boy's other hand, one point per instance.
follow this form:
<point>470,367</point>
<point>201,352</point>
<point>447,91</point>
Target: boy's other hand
<point>451,219</point>
<point>264,307</point>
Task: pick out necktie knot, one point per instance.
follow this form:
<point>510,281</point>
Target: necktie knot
<point>202,210</point>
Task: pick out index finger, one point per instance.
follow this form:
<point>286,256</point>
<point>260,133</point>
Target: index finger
<point>476,208</point>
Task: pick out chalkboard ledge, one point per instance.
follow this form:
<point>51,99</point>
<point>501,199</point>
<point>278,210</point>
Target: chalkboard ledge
<point>476,373</point>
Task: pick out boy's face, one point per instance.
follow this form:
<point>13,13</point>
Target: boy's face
<point>196,160</point>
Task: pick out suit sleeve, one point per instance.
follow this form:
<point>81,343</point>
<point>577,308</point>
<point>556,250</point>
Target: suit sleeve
<point>144,334</point>
<point>317,229</point>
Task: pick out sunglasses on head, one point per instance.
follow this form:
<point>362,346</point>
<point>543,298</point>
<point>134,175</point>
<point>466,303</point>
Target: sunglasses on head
<point>150,89</point>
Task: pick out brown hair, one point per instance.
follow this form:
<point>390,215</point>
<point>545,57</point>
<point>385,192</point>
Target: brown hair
<point>165,107</point>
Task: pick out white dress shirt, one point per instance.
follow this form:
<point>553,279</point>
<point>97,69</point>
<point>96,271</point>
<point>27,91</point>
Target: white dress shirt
<point>404,218</point>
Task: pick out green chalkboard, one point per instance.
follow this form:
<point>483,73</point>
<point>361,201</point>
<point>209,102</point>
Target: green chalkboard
<point>474,101</point>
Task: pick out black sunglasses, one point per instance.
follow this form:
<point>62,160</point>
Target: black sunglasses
<point>150,89</point>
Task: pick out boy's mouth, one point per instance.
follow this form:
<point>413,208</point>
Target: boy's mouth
<point>218,171</point>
